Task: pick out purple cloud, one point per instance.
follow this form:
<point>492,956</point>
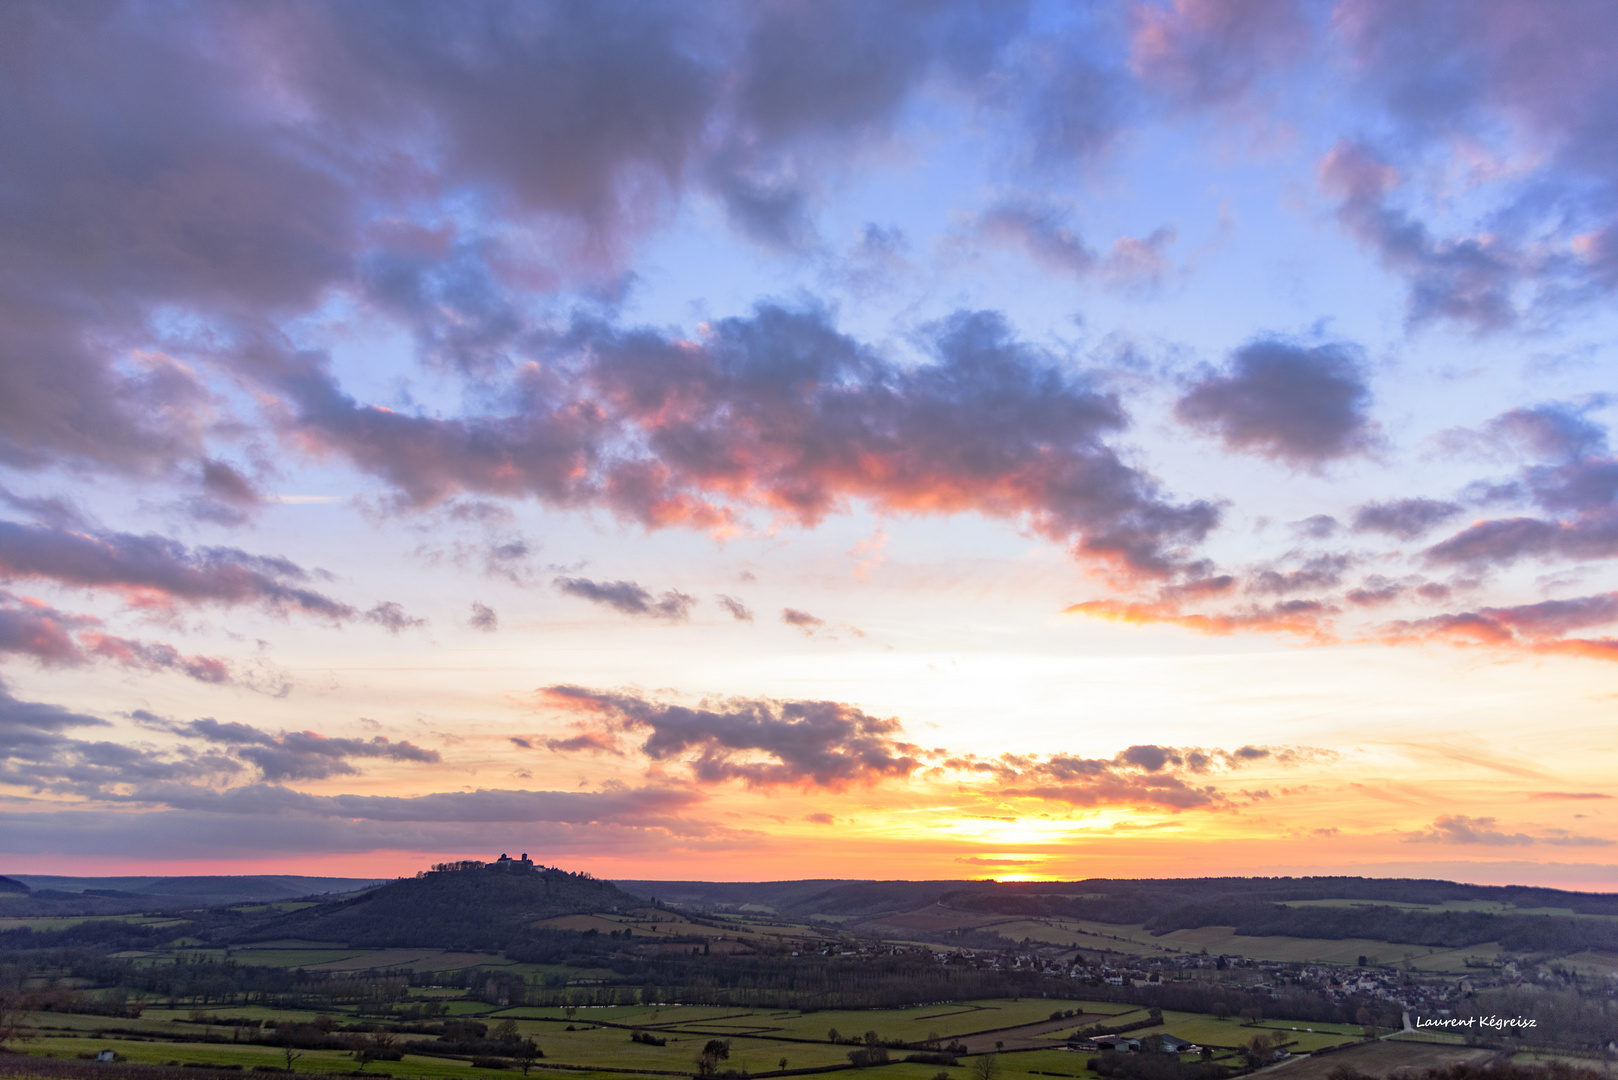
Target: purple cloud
<point>154,570</point>
<point>811,743</point>
<point>630,598</point>
<point>1302,405</point>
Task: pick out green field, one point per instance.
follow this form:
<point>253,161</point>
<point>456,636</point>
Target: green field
<point>292,958</point>
<point>911,1025</point>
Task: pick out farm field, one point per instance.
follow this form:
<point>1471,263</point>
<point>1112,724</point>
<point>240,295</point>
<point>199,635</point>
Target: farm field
<point>1138,941</point>
<point>1609,1068</point>
<point>912,1025</point>
<point>1378,1058</point>
<point>759,1039</point>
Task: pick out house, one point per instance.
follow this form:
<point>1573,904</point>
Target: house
<point>106,1055</point>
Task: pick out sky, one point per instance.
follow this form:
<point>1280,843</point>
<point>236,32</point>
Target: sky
<point>765,440</point>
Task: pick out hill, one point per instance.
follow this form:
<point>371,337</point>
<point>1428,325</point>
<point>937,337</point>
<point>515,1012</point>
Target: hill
<point>1401,910</point>
<point>460,906</point>
<point>43,894</point>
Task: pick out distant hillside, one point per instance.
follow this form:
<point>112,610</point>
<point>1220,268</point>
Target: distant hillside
<point>10,885</point>
<point>220,889</point>
<point>1333,908</point>
<point>41,894</point>
<point>470,907</point>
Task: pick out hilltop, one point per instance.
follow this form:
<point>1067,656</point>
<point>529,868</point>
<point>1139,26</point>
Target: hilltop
<point>466,905</point>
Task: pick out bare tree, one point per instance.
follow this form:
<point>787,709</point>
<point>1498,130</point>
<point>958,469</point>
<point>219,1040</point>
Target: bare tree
<point>12,1009</point>
<point>986,1067</point>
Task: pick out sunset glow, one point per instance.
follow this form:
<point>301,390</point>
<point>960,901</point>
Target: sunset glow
<point>787,440</point>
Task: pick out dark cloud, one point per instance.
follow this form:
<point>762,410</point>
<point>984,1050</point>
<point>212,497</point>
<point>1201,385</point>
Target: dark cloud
<point>1318,573</point>
<point>595,742</point>
<point>780,412</point>
<point>1405,519</point>
<point>1144,775</point>
<point>187,820</point>
<point>1502,541</point>
<point>227,497</point>
<point>738,610</point>
<point>29,725</point>
<point>483,618</point>
<point>391,616</point>
<point>299,755</point>
<point>1577,483</point>
<point>47,510</point>
<point>1317,527</point>
<point>762,743</point>
<point>1375,591</point>
<point>1559,431</point>
<point>1461,829</point>
<point>206,203</point>
<point>802,620</point>
<point>154,570</point>
<point>630,598</point>
<point>1302,405</point>
<point>37,753</point>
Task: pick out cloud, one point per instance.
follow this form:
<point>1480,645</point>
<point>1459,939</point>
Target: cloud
<point>1045,234</point>
<point>1509,83</point>
<point>802,620</point>
<point>1404,519</point>
<point>185,820</point>
<point>1469,280</point>
<point>1317,572</point>
<point>738,610</point>
<point>779,412</point>
<point>390,616</point>
<point>762,743</point>
<point>33,628</point>
<point>1531,627</point>
<point>1554,430</point>
<point>1307,619</point>
<point>1144,775</point>
<point>37,753</point>
<point>28,724</point>
<point>981,860</point>
<point>596,742</point>
<point>1302,405</point>
<point>629,598</point>
<point>299,755</point>
<point>1504,541</point>
<point>1212,52</point>
<point>154,571</point>
<point>1570,795</point>
<point>1461,829</point>
<point>483,618</point>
